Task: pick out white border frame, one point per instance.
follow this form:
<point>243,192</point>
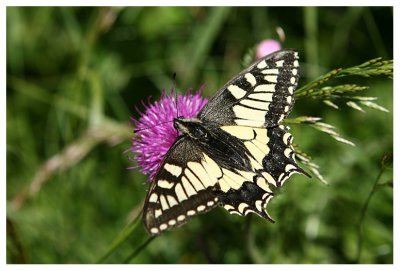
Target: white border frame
<point>4,4</point>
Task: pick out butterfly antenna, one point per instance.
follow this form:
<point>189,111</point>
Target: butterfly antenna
<point>175,94</point>
<point>161,123</point>
<point>176,99</point>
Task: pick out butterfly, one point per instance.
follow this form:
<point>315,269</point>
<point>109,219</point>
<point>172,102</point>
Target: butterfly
<point>234,153</point>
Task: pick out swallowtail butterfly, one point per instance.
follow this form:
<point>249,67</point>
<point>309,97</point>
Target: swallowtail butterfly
<point>234,152</point>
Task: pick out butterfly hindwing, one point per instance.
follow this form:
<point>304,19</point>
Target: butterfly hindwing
<point>272,159</point>
<point>249,198</point>
<point>182,187</point>
<point>260,96</point>
<point>280,161</point>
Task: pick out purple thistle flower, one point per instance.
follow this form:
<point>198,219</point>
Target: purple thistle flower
<point>267,47</point>
<point>155,131</point>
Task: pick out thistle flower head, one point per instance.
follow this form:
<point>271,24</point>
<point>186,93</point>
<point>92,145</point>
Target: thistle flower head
<point>267,47</point>
<point>155,132</point>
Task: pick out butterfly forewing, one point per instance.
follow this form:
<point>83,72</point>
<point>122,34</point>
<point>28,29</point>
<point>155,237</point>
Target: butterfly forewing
<point>260,96</point>
<point>182,187</point>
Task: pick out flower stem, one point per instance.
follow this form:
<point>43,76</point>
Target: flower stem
<point>138,250</point>
<point>363,212</point>
<point>122,237</point>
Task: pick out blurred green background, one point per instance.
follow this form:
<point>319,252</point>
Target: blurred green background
<point>74,76</point>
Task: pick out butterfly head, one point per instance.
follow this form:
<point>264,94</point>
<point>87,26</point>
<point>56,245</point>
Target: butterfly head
<point>193,127</point>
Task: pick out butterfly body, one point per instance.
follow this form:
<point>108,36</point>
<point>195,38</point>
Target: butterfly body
<point>218,144</point>
<point>234,153</point>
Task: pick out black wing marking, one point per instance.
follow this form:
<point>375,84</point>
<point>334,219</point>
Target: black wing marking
<point>250,198</point>
<point>182,187</point>
<point>280,161</point>
<point>260,96</point>
<point>273,162</point>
